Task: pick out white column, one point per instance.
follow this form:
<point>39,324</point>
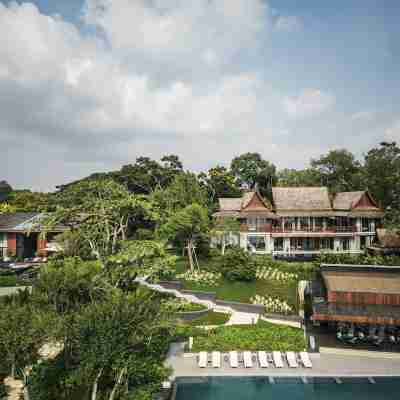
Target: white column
<point>283,223</point>
<point>358,224</point>
<point>336,244</point>
<point>372,225</point>
<point>324,223</point>
<point>286,245</point>
<point>243,240</point>
<point>356,244</point>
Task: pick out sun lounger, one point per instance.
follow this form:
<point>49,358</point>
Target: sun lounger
<point>291,359</point>
<point>262,359</point>
<point>233,359</point>
<point>203,359</point>
<point>305,359</point>
<point>277,357</point>
<point>248,363</point>
<point>216,359</point>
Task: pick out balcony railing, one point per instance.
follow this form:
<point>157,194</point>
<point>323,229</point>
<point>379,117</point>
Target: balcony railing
<point>278,229</point>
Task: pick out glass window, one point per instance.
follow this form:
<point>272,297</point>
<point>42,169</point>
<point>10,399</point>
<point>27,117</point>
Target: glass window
<point>290,224</point>
<point>278,244</point>
<point>345,244</point>
<point>365,224</point>
<point>304,223</point>
<point>327,243</point>
<point>256,243</point>
<point>319,223</point>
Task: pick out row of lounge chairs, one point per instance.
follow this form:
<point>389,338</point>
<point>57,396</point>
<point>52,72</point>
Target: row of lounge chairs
<point>248,359</point>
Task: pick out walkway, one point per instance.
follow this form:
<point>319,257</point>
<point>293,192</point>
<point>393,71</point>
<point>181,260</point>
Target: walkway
<point>237,317</point>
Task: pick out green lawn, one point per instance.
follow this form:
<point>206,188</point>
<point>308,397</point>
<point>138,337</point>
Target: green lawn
<point>262,336</point>
<point>211,318</point>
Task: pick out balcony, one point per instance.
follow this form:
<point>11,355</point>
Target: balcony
<point>330,229</point>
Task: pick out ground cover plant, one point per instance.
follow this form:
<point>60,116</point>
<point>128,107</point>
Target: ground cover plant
<point>211,318</point>
<point>186,306</point>
<point>261,336</point>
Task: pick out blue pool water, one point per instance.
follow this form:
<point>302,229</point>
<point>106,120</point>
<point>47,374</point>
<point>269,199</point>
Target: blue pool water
<point>257,388</point>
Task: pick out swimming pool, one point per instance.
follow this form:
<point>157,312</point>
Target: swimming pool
<point>317,388</point>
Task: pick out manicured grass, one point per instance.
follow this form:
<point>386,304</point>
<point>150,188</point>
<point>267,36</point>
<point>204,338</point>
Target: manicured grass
<point>243,291</point>
<point>211,318</point>
<point>262,336</point>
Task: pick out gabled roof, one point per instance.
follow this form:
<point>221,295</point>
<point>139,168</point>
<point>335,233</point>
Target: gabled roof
<point>250,202</point>
<point>350,200</point>
<point>301,198</point>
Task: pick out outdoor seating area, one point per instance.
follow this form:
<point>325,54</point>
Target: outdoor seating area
<point>376,335</point>
<point>254,359</point>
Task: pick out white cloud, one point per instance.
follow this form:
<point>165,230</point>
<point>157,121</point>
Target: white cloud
<point>393,132</point>
<point>289,23</point>
<point>308,103</point>
<point>363,116</point>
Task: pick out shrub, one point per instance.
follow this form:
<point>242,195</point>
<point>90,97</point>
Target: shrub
<point>201,277</point>
<point>186,306</point>
<point>238,265</point>
<point>273,304</point>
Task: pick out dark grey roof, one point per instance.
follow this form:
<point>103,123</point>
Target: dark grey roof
<point>21,222</point>
<point>9,222</point>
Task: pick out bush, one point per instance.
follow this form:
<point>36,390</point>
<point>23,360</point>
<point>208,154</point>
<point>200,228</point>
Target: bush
<point>186,306</point>
<point>262,336</point>
<point>238,265</point>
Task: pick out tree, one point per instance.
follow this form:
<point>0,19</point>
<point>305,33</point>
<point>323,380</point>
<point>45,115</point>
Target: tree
<point>219,182</point>
<point>5,190</point>
<point>252,171</point>
<point>224,228</point>
<point>382,174</point>
<point>6,208</point>
<point>102,212</point>
<point>184,190</point>
<point>187,226</point>
<point>27,201</point>
<point>296,178</point>
<point>339,170</point>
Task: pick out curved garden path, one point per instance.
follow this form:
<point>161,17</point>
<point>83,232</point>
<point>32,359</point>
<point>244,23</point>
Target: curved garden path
<point>237,317</point>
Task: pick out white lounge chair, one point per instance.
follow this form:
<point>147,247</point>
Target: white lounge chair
<point>216,359</point>
<point>203,359</point>
<point>291,359</point>
<point>277,357</point>
<point>305,359</point>
<point>262,359</point>
<point>248,363</point>
<point>233,359</point>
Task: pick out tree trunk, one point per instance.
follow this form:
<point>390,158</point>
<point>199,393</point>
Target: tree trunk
<point>223,245</point>
<point>13,369</point>
<point>96,384</point>
<point>119,380</point>
<point>190,254</point>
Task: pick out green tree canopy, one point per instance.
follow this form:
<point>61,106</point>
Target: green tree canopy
<point>187,226</point>
<point>252,171</point>
<point>339,170</point>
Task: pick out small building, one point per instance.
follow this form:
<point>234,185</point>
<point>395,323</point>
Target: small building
<point>359,294</point>
<point>15,240</point>
<point>304,221</point>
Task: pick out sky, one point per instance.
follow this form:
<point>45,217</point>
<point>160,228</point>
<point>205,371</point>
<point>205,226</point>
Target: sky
<point>89,85</point>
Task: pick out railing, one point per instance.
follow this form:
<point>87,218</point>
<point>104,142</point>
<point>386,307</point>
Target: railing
<point>255,228</point>
<point>330,229</point>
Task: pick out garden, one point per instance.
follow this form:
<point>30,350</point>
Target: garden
<point>241,277</point>
<point>261,336</point>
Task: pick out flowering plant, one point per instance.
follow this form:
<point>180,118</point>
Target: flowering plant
<point>201,277</point>
<point>272,304</point>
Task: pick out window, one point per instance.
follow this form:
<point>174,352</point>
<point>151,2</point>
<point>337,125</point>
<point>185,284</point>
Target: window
<point>290,224</point>
<point>278,244</point>
<point>256,243</point>
<point>365,224</point>
<point>345,244</point>
<point>296,244</point>
<point>326,244</point>
<point>363,242</point>
<point>304,223</point>
<point>319,223</point>
<point>3,245</point>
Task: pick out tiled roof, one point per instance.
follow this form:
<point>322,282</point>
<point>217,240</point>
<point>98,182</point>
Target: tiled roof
<point>346,200</point>
<point>230,204</point>
<point>301,198</point>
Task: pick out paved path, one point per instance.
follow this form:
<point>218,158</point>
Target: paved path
<point>237,318</point>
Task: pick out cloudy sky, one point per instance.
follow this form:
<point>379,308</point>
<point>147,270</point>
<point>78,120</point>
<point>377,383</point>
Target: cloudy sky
<point>88,85</point>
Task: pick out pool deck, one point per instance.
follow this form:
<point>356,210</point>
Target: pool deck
<point>326,364</point>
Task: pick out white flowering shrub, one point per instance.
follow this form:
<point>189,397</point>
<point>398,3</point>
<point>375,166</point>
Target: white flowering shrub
<point>274,274</point>
<point>272,304</point>
<point>201,277</point>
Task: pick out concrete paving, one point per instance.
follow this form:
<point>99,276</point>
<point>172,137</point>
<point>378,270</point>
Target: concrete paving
<point>185,364</point>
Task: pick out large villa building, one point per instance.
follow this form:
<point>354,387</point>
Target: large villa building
<point>303,221</point>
